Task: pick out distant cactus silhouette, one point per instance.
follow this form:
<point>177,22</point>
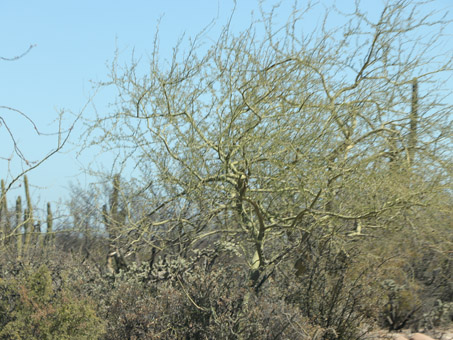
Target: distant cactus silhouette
<point>24,230</point>
<point>19,227</point>
<point>412,143</point>
<point>113,219</point>
<point>4,216</point>
<point>49,236</point>
<point>28,217</point>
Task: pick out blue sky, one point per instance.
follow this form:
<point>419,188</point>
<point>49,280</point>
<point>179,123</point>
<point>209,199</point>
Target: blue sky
<point>75,40</point>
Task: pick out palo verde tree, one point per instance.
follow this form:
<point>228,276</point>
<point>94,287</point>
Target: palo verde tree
<point>277,131</point>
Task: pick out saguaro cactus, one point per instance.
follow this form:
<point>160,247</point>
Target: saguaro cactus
<point>38,235</point>
<point>113,219</point>
<point>19,227</point>
<point>28,217</point>
<point>413,118</point>
<point>50,235</point>
<point>4,216</point>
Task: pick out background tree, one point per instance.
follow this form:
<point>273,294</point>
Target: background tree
<point>294,183</point>
<point>267,136</point>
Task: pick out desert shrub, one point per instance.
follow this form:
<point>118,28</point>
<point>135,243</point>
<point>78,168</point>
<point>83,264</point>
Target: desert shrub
<point>441,315</point>
<point>335,286</point>
<point>402,303</point>
<point>200,303</point>
<point>418,280</point>
<point>32,309</point>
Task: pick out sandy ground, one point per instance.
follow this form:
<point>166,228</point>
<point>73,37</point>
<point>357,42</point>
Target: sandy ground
<point>407,334</point>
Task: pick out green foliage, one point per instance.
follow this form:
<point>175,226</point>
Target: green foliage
<point>32,309</point>
<point>39,285</point>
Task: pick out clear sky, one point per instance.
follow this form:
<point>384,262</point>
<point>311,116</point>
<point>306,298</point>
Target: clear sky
<point>75,40</point>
